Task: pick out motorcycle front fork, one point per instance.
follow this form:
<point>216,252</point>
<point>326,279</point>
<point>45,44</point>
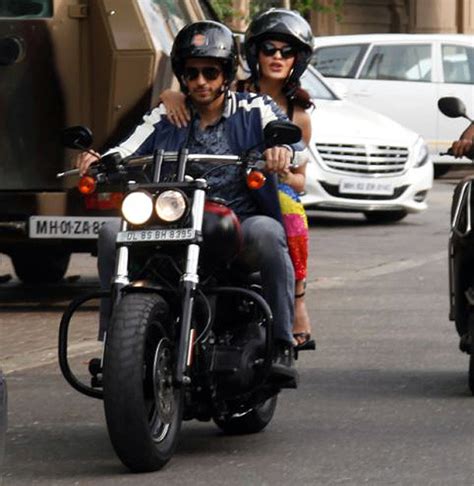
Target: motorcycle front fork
<point>189,283</point>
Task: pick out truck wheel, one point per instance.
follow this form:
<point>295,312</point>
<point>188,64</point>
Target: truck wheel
<point>252,421</point>
<point>40,265</point>
<point>384,216</point>
<point>143,407</point>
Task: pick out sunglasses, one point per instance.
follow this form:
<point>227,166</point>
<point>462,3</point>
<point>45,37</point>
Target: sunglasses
<point>210,73</point>
<point>269,50</point>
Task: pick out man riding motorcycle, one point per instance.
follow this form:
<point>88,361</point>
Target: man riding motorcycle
<point>204,60</point>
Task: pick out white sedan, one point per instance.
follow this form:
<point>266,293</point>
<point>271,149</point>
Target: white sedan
<point>362,161</point>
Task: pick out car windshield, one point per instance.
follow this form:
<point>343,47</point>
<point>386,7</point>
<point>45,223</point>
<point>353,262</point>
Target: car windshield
<point>314,84</point>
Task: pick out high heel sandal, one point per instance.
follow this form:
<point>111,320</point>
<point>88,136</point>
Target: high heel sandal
<point>308,344</point>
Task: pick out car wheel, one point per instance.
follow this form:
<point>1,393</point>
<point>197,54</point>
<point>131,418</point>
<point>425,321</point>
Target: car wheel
<point>385,216</point>
<point>441,170</point>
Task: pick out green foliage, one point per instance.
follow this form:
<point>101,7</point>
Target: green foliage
<point>225,10</point>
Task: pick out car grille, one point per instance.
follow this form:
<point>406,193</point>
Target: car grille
<point>369,160</point>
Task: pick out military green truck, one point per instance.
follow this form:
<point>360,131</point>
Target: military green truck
<point>99,63</point>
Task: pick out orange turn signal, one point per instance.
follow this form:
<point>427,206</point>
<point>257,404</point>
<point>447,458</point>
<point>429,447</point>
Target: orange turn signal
<point>255,179</point>
<point>86,185</point>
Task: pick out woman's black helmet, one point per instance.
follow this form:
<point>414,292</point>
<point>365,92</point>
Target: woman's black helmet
<point>286,26</point>
<point>207,39</point>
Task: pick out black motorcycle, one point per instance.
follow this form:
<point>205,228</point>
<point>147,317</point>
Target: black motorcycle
<point>461,251</point>
<point>190,335</point>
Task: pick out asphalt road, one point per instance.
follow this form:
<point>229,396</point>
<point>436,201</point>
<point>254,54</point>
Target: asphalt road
<point>384,399</point>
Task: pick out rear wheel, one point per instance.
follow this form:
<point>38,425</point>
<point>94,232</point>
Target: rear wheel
<point>471,352</point>
<point>250,422</point>
<point>40,265</point>
<point>142,407</point>
<point>384,216</point>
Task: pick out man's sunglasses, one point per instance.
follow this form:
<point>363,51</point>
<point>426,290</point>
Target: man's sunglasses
<point>210,73</point>
<point>269,50</point>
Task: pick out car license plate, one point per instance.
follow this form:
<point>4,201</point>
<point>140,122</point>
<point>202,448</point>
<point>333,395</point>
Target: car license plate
<point>364,186</point>
<point>161,235</point>
<point>66,227</point>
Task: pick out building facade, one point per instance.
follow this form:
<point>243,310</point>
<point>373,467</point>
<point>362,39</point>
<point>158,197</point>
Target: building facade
<point>382,16</point>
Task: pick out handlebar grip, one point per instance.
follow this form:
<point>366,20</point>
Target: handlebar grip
<point>67,173</point>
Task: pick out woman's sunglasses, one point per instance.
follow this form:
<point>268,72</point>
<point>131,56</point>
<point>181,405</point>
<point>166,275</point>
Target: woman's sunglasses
<point>269,50</point>
<point>210,73</point>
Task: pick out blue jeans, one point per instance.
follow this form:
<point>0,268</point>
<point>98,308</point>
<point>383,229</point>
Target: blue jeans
<point>265,250</point>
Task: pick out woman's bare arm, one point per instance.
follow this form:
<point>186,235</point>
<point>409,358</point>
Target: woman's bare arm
<point>176,109</point>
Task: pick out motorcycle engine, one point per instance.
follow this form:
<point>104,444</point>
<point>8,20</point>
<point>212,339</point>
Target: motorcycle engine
<point>235,363</point>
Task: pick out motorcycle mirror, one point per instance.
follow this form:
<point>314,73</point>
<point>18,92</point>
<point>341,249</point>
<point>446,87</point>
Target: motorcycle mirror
<point>279,132</point>
<point>78,137</point>
<point>452,107</point>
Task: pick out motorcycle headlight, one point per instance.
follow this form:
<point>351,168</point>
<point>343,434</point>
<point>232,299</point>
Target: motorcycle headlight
<point>421,153</point>
<point>137,207</point>
<point>170,205</point>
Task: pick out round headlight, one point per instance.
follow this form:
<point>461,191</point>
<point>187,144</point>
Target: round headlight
<point>137,207</point>
<point>170,206</point>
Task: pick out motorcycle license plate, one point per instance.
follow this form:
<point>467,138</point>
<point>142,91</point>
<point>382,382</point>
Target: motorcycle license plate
<point>161,235</point>
<point>66,227</point>
<point>364,186</point>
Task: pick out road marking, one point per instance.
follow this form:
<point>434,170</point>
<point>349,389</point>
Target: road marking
<point>36,359</point>
<point>378,271</point>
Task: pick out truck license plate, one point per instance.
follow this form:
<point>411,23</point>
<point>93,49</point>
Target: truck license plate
<point>66,227</point>
<point>161,235</point>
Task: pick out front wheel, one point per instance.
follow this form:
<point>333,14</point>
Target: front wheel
<point>40,265</point>
<point>143,409</point>
<point>385,216</point>
<point>250,422</point>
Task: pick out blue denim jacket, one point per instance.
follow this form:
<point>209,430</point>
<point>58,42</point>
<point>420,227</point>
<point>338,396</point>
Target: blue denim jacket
<point>246,115</point>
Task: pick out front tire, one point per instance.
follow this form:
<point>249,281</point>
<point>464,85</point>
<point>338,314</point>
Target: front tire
<point>253,421</point>
<point>381,217</point>
<point>40,265</point>
<point>143,409</point>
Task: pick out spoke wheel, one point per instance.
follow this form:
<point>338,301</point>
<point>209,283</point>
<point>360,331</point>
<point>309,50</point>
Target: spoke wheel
<point>142,407</point>
<point>164,405</point>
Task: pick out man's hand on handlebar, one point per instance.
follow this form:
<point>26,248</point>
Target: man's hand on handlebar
<point>462,147</point>
<point>278,160</point>
<point>84,160</point>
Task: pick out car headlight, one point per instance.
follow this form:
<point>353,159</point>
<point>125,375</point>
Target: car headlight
<point>137,207</point>
<point>170,206</point>
<point>420,153</point>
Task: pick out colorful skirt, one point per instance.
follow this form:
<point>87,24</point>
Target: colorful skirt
<point>296,227</point>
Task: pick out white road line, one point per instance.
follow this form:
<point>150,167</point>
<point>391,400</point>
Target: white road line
<point>378,271</point>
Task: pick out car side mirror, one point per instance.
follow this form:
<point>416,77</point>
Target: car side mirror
<point>452,107</point>
<point>278,132</point>
<point>77,137</point>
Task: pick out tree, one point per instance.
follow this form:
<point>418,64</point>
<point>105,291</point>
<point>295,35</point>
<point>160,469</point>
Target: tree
<point>226,11</point>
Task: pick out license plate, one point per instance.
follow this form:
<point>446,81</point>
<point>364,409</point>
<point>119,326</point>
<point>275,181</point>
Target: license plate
<point>364,186</point>
<point>161,235</point>
<point>66,227</point>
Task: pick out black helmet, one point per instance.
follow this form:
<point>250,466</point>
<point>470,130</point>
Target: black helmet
<point>205,39</point>
<point>287,26</point>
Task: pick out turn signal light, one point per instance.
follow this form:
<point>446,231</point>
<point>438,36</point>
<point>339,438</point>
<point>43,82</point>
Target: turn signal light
<point>255,179</point>
<point>86,185</point>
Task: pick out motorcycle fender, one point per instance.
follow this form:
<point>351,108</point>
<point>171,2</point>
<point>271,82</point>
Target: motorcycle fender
<point>146,286</point>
